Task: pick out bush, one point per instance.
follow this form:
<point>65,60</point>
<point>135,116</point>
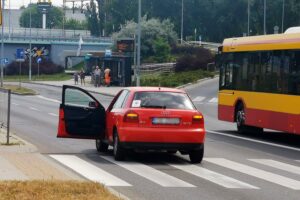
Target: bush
<point>192,58</point>
<point>46,67</point>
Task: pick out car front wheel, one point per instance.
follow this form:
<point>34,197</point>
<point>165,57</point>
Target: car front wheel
<point>196,156</point>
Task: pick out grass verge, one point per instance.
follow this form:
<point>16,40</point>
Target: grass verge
<point>43,77</point>
<point>19,90</point>
<point>174,79</point>
<point>52,190</point>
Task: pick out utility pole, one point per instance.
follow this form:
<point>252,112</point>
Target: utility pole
<point>282,22</point>
<point>248,18</point>
<point>265,13</point>
<point>30,61</point>
<point>139,45</point>
<point>2,43</point>
<point>181,37</point>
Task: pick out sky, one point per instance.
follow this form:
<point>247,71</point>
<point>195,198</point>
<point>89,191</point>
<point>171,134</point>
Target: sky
<point>15,4</point>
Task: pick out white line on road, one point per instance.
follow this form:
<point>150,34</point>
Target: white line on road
<point>253,140</point>
<point>48,99</point>
<point>89,171</point>
<point>213,100</point>
<point>278,165</point>
<point>261,174</point>
<point>151,174</point>
<point>32,108</point>
<point>199,99</point>
<point>15,104</point>
<point>214,177</point>
<point>52,114</point>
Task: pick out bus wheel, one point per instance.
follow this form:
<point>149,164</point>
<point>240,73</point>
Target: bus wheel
<point>240,122</point>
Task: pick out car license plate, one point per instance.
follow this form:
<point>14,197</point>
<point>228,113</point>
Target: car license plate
<point>170,121</point>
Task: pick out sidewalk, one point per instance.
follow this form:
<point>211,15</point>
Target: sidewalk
<point>21,161</point>
<point>108,91</point>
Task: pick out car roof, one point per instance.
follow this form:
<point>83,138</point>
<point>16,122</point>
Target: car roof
<point>155,89</point>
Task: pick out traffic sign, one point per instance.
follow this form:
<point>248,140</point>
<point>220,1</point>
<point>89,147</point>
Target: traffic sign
<point>4,61</point>
<point>108,53</point>
<point>39,60</point>
<point>20,55</point>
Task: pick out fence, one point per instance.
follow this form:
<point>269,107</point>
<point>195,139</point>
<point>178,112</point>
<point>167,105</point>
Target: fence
<point>5,96</point>
<point>157,68</point>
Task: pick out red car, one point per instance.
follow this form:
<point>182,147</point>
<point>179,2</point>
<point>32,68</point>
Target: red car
<point>147,118</point>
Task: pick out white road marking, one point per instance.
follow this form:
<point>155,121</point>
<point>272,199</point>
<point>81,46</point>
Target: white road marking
<point>89,171</point>
<point>151,174</point>
<point>52,114</point>
<point>253,140</point>
<point>214,177</point>
<point>32,108</point>
<point>48,99</point>
<point>278,165</point>
<point>261,174</point>
<point>213,100</point>
<point>199,99</point>
<point>15,104</point>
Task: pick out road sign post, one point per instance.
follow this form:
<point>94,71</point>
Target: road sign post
<point>39,60</point>
<point>20,59</point>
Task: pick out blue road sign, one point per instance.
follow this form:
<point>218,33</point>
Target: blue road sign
<point>20,53</point>
<point>39,60</point>
<point>4,61</point>
<point>108,53</point>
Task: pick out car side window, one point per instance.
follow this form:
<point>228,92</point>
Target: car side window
<point>121,99</point>
<point>78,98</point>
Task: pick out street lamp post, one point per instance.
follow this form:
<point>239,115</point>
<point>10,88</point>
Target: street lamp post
<point>265,13</point>
<point>181,38</point>
<point>30,61</point>
<point>2,45</point>
<point>139,45</point>
<point>282,22</point>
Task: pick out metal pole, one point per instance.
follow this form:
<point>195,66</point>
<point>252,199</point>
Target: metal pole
<point>2,45</point>
<point>248,17</point>
<point>265,12</point>
<point>282,22</point>
<point>139,45</point>
<point>20,74</point>
<point>8,116</point>
<point>38,70</point>
<point>9,19</point>
<point>30,60</point>
<point>181,37</point>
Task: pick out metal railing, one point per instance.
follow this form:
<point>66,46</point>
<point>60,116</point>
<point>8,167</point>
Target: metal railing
<point>157,68</point>
<point>5,97</point>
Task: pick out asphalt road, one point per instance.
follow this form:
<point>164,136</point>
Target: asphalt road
<point>250,166</point>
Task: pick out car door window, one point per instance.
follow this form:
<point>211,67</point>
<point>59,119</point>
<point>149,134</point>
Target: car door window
<point>121,99</point>
<point>75,97</point>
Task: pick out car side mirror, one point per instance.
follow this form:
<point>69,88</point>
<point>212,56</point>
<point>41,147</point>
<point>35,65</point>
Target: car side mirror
<point>93,104</point>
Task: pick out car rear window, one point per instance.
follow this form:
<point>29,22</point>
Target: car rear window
<point>170,100</point>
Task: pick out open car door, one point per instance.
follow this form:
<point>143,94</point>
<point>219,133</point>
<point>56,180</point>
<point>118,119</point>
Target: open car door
<point>80,115</point>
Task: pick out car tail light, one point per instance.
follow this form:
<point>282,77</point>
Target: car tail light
<point>198,119</point>
<point>131,117</point>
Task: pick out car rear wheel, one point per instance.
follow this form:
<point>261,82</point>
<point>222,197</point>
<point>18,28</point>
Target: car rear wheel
<point>196,156</point>
<point>101,146</point>
<point>118,150</point>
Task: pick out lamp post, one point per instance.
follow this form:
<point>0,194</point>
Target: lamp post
<point>265,12</point>
<point>30,61</point>
<point>181,37</point>
<point>248,30</point>
<point>282,20</point>
<point>139,45</point>
<point>2,45</point>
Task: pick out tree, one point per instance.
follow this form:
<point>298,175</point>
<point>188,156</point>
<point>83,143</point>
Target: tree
<point>92,18</point>
<point>76,24</point>
<point>152,29</point>
<point>162,50</point>
<point>54,17</point>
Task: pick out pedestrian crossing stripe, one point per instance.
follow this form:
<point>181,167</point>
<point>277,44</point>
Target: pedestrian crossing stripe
<point>258,173</point>
<point>213,100</point>
<point>199,99</point>
<point>94,173</point>
<point>278,165</point>
<point>89,171</point>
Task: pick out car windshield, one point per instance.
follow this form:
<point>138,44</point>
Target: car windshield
<point>164,100</point>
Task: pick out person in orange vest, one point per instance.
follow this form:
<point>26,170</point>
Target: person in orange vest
<point>107,77</point>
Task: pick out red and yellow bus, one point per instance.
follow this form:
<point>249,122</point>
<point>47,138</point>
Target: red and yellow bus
<point>260,82</point>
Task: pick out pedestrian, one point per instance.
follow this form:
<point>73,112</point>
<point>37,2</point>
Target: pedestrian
<point>107,77</point>
<point>82,77</point>
<point>97,74</point>
<point>75,77</point>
